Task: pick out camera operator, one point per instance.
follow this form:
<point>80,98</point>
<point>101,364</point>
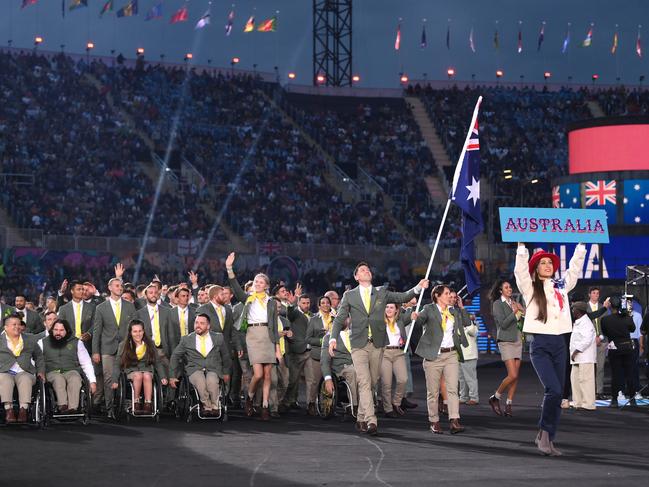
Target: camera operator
<point>617,328</point>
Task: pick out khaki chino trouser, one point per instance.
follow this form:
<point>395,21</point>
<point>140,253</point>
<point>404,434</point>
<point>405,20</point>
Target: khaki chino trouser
<point>394,362</point>
<point>24,381</point>
<point>582,380</point>
<point>67,386</point>
<point>446,363</point>
<point>367,365</point>
<point>207,386</point>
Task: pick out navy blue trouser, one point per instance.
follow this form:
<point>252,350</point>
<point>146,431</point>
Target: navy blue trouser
<point>548,354</point>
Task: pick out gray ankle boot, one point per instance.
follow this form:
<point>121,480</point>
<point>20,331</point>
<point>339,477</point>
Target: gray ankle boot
<point>543,442</point>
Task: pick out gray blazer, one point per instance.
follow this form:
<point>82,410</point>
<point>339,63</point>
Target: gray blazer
<point>431,339</point>
<point>185,356</point>
<point>175,322</point>
<point>242,297</point>
<point>315,333</point>
<point>238,336</point>
<point>215,323</point>
<point>341,357</point>
<point>107,334</point>
<point>506,321</point>
<point>33,321</point>
<point>167,334</point>
<point>352,305</point>
<point>66,312</point>
<point>31,354</point>
<point>299,324</point>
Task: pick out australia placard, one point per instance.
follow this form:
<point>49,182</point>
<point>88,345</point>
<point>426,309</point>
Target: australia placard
<point>553,225</point>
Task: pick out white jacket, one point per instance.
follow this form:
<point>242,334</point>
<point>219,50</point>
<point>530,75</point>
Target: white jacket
<point>583,339</point>
<point>470,352</point>
<point>558,320</point>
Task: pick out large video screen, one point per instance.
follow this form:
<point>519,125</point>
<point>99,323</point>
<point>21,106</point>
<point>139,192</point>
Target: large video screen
<point>608,148</point>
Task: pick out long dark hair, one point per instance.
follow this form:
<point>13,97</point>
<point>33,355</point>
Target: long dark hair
<point>496,290</point>
<point>539,296</point>
<point>129,357</point>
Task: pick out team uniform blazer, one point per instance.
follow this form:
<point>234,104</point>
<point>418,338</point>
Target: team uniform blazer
<point>186,357</point>
<point>168,335</point>
<point>107,335</point>
<point>66,312</point>
<point>506,322</point>
<point>315,332</point>
<point>433,334</point>
<point>299,324</point>
<point>139,366</point>
<point>215,323</point>
<point>30,359</point>
<point>352,305</point>
<point>335,364</point>
<point>271,308</point>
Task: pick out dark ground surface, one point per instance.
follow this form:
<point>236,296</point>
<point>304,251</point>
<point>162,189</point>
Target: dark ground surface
<point>606,447</point>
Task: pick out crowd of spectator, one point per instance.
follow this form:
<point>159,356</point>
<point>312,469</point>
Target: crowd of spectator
<point>622,102</point>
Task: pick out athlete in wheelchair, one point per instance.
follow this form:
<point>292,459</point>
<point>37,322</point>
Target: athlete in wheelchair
<point>22,374</point>
<point>338,388</point>
<point>137,375</point>
<point>69,372</point>
<point>203,360</point>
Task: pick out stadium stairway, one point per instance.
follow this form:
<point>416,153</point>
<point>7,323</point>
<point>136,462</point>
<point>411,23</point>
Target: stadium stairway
<point>437,184</point>
<point>152,170</point>
<point>334,177</point>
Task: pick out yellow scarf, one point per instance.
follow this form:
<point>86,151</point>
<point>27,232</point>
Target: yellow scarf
<point>326,320</point>
<point>16,347</point>
<point>446,314</point>
<point>260,297</point>
<point>140,351</point>
<point>282,340</point>
<point>391,325</point>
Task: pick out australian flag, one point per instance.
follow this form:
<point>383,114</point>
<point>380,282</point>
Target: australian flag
<point>636,201</point>
<point>466,194</point>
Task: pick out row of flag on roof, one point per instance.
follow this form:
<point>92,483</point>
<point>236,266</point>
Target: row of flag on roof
<point>131,8</point>
<point>540,39</point>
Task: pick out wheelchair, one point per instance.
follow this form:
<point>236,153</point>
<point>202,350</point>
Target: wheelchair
<point>339,404</point>
<point>187,403</point>
<point>85,404</point>
<point>124,402</point>
<point>36,416</point>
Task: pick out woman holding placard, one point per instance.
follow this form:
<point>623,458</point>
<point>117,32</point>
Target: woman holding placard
<point>547,318</point>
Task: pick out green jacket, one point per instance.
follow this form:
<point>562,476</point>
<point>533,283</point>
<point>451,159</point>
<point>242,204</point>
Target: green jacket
<point>107,335</point>
<point>506,322</point>
<point>31,352</point>
<point>271,309</point>
<point>335,364</point>
<point>431,339</point>
<point>186,357</point>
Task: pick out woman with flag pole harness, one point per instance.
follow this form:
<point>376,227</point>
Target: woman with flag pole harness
<point>547,318</point>
<point>262,341</point>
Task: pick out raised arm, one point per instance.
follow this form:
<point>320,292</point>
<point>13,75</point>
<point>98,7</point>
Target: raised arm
<point>396,297</point>
<point>575,267</point>
<point>522,272</point>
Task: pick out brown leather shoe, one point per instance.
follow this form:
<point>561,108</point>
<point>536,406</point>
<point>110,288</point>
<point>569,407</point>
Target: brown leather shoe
<point>10,417</point>
<point>436,428</point>
<point>361,426</point>
<point>311,411</point>
<point>63,409</point>
<point>148,408</point>
<point>392,414</point>
<point>372,429</point>
<point>248,408</point>
<point>398,410</point>
<point>471,402</point>
<point>265,414</point>
<point>456,427</point>
<point>494,402</point>
<point>508,410</point>
<point>138,407</point>
<point>22,416</point>
<point>405,404</point>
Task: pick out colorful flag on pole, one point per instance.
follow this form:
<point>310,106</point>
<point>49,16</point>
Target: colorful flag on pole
<point>26,3</point>
<point>230,23</point>
<point>541,37</point>
<point>638,45</point>
<point>154,12</point>
<point>268,25</point>
<point>74,4</point>
<point>520,38</point>
<point>203,21</point>
<point>615,41</point>
<point>566,41</point>
<point>108,7</point>
<point>448,37</point>
<point>589,37</point>
<point>181,15</point>
<point>397,41</point>
<point>423,42</point>
<point>250,25</point>
<point>128,10</point>
<point>466,195</point>
<point>471,43</point>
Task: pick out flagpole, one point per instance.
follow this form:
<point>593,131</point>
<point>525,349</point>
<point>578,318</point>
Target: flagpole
<point>456,176</point>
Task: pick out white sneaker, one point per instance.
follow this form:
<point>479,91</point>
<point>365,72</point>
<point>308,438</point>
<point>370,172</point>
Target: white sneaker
<point>621,397</point>
<point>565,404</point>
<point>638,397</point>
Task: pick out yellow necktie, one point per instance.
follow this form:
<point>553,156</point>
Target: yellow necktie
<point>345,336</point>
<point>391,326</point>
<point>156,326</point>
<point>367,299</point>
<point>183,327</point>
<point>17,348</point>
<point>326,321</point>
<point>77,320</point>
<point>203,345</point>
<point>118,311</point>
<point>220,315</point>
<point>140,350</point>
<point>446,314</point>
<point>282,344</point>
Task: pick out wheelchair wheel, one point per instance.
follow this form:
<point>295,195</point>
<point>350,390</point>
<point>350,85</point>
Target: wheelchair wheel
<point>38,412</point>
<point>326,403</point>
<point>159,397</point>
<point>225,392</point>
<point>86,402</point>
<point>121,397</point>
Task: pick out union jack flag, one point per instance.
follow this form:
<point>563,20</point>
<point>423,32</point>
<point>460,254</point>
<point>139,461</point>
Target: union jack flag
<point>599,193</point>
<point>556,197</point>
<point>270,248</point>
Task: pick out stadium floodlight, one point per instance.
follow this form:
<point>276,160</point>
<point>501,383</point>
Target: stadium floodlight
<point>595,77</point>
<point>547,75</point>
<point>291,75</point>
<point>404,79</point>
<point>356,79</point>
<point>90,45</point>
<point>320,79</point>
<point>500,73</point>
<point>450,72</point>
<point>235,60</point>
<point>140,51</point>
<point>534,181</point>
<point>38,40</point>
